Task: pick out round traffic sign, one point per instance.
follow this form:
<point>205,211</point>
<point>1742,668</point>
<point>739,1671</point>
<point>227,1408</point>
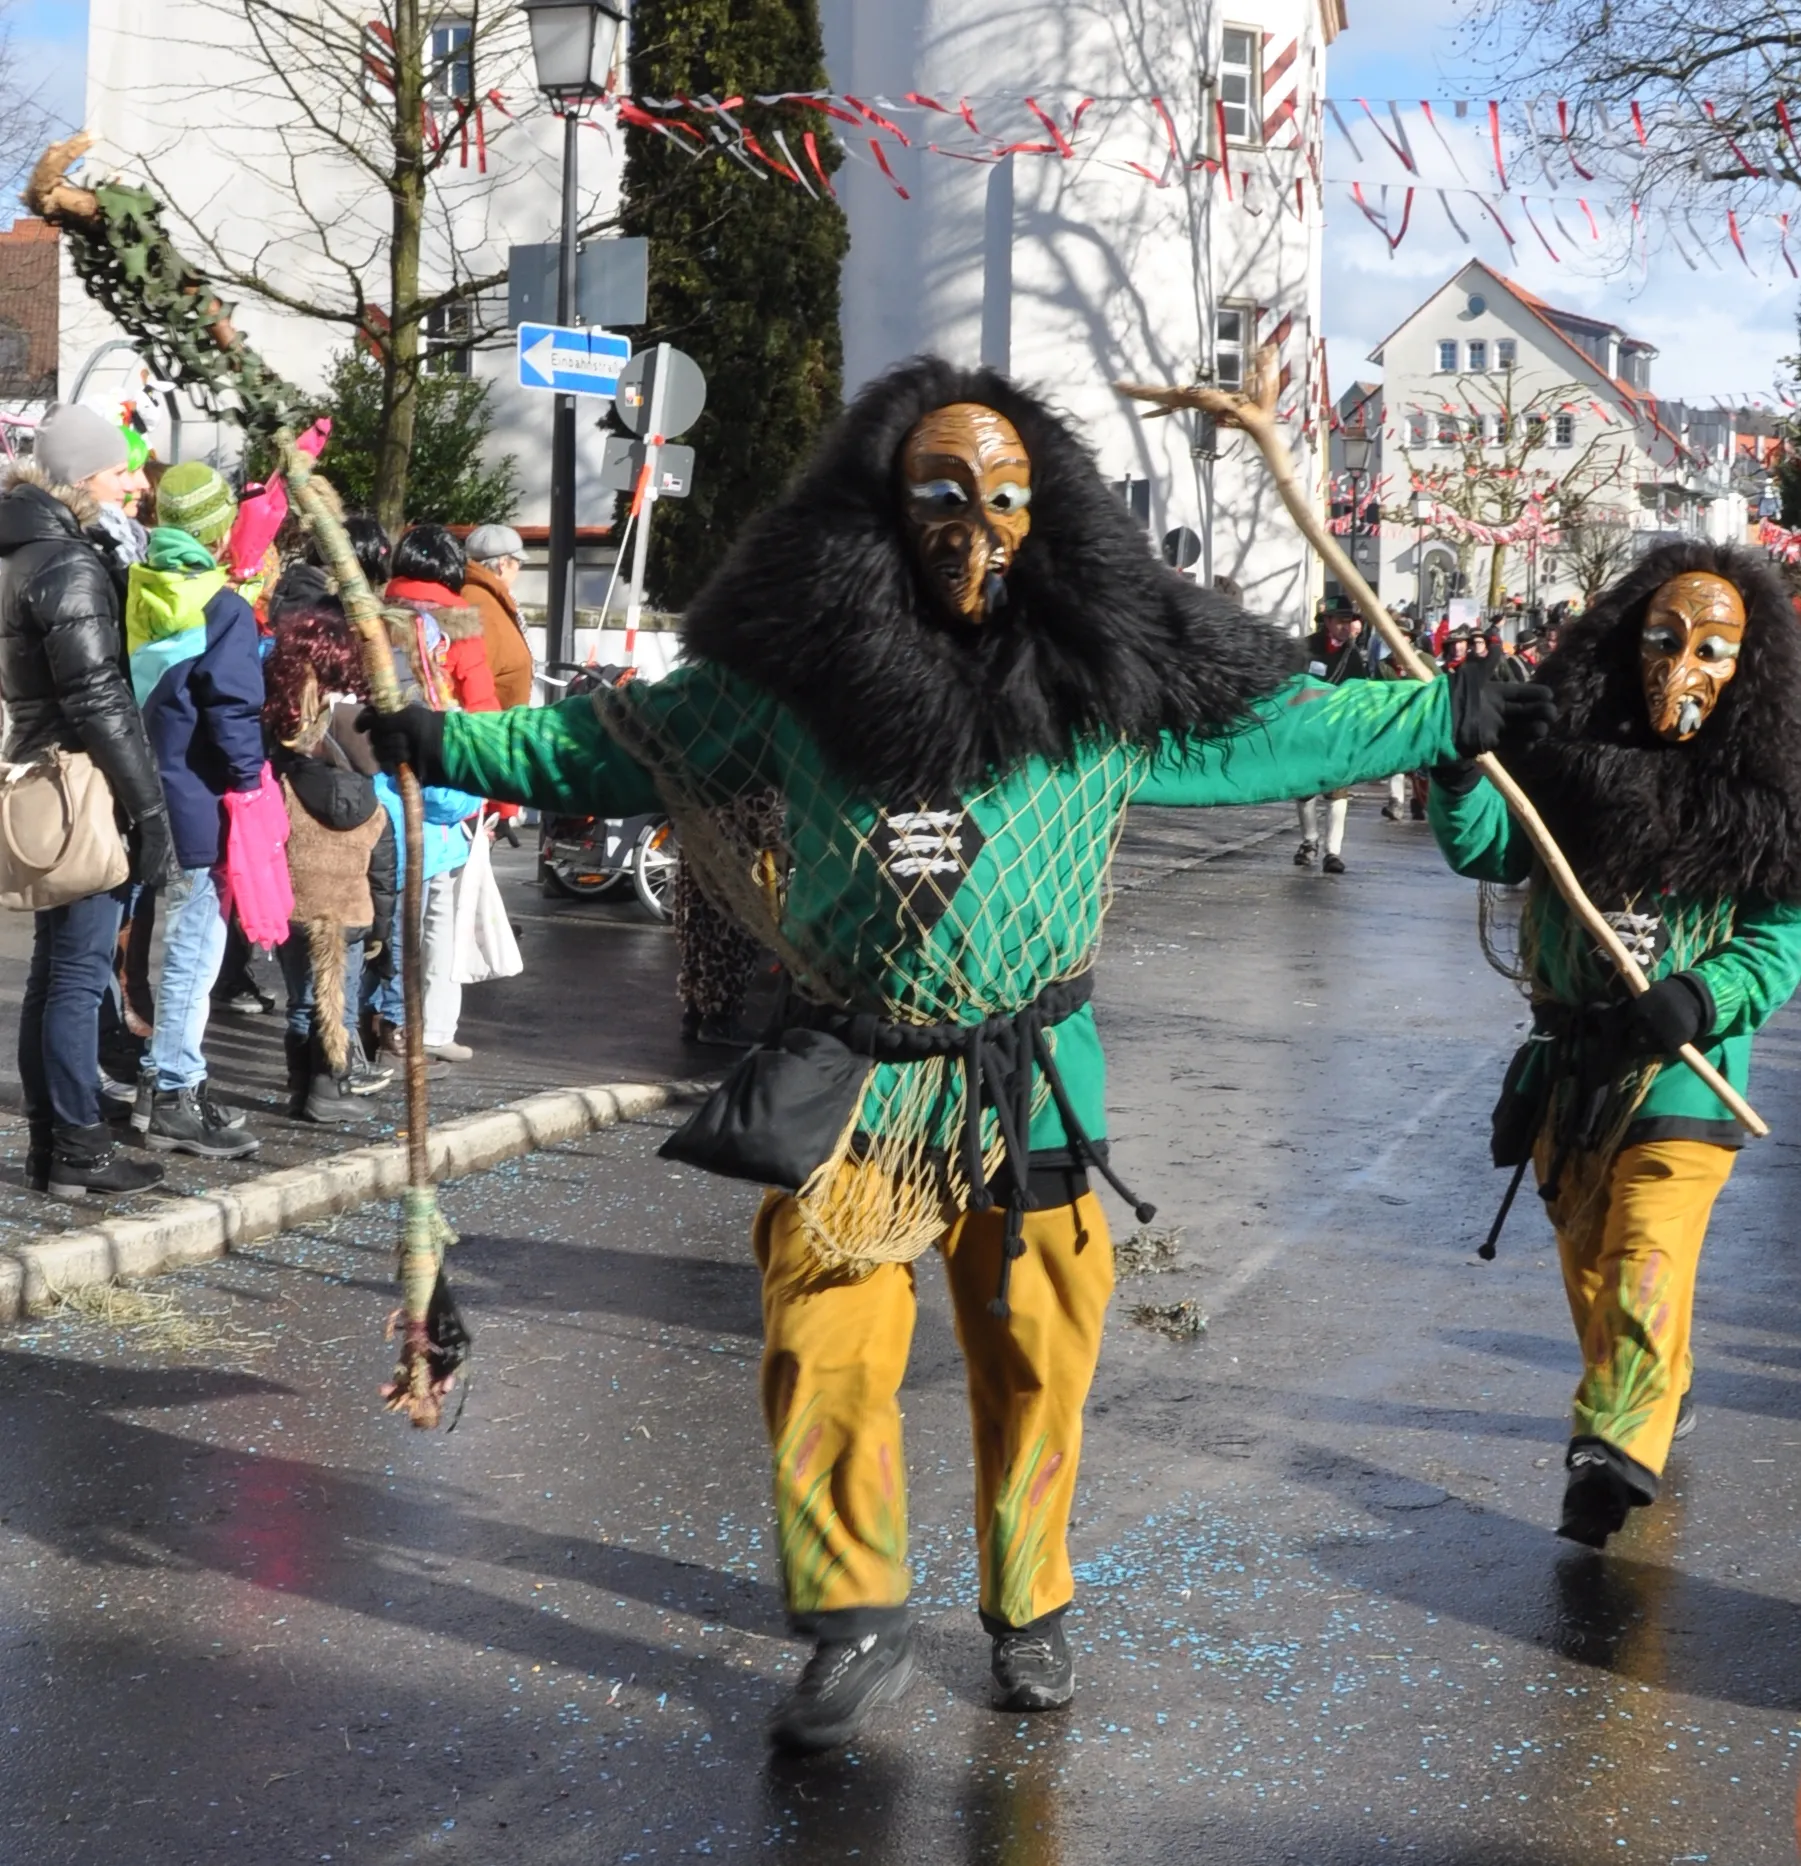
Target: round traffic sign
<point>684,392</point>
<point>1181,549</point>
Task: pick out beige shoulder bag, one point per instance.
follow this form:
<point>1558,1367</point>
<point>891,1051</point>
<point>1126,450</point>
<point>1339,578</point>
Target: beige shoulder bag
<point>59,837</point>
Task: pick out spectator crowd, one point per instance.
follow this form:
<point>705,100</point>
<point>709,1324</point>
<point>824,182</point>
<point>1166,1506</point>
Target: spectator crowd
<point>192,648</point>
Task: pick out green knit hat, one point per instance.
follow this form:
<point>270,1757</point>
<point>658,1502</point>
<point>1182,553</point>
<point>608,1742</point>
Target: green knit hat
<point>194,498</point>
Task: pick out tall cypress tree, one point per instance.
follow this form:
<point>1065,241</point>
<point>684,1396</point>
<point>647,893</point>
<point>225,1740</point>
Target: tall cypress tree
<point>743,268</point>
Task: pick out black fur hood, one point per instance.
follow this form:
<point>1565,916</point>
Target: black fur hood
<point>820,604</point>
<point>1719,816</point>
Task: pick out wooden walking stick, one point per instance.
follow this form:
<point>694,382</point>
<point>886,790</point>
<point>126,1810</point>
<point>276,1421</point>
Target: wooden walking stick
<point>129,265</point>
<point>1255,414</point>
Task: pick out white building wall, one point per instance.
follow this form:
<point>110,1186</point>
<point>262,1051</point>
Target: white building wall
<point>1627,446</point>
<point>1072,275</point>
<point>203,132</point>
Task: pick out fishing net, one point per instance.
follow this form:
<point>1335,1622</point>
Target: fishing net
<point>946,910</point>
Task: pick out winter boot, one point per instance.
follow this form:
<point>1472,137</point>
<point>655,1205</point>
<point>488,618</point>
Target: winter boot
<point>1605,1485</point>
<point>1031,1665</point>
<point>844,1681</point>
<point>328,1098</point>
<point>84,1161</point>
<point>298,1049</point>
<point>190,1121</point>
<point>39,1145</point>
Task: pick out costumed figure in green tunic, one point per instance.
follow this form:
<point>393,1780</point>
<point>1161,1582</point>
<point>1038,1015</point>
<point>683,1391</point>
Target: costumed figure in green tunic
<point>1672,781</point>
<point>950,650</point>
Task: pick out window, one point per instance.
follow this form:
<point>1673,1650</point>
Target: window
<point>1506,353</point>
<point>1238,90</point>
<point>1447,356</point>
<point>1448,433</point>
<point>452,62</point>
<point>1535,430</point>
<point>1478,356</point>
<point>1418,432</point>
<point>1563,430</point>
<point>1502,429</point>
<point>447,334</point>
<point>1231,344</point>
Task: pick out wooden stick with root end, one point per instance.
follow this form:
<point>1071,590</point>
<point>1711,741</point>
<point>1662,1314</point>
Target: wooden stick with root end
<point>423,1231</point>
<point>1255,414</point>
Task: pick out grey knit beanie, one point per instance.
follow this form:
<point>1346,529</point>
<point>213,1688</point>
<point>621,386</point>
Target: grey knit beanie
<point>73,443</point>
<point>486,544</point>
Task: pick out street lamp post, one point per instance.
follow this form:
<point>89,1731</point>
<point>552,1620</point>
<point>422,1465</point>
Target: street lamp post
<point>1422,516</point>
<point>566,46</point>
<point>1356,446</point>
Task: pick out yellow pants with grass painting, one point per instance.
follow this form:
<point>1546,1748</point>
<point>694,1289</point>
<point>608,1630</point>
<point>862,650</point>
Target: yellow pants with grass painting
<point>1629,1231</point>
<point>835,1350</point>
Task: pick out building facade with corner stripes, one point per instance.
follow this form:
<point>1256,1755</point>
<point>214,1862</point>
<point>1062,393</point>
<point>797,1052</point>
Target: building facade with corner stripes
<point>1074,270</point>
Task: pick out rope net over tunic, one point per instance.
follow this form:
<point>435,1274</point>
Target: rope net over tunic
<point>927,910</point>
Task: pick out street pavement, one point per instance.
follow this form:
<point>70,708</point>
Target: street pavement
<point>246,1617</point>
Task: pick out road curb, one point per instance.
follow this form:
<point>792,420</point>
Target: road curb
<point>189,1231</point>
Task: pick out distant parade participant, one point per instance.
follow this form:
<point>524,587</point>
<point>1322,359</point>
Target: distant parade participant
<point>1672,780</point>
<point>1335,654</point>
<point>949,649</point>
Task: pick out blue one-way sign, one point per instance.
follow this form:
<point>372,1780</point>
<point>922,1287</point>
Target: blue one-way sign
<point>571,362</point>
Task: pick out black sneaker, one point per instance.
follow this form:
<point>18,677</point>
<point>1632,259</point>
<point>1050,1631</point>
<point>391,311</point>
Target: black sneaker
<point>1685,1417</point>
<point>1303,856</point>
<point>84,1162</point>
<point>1032,1667</point>
<point>1595,1501</point>
<point>844,1681</point>
<point>367,1078</point>
<point>188,1121</point>
<point>1333,864</point>
<point>247,1001</point>
<point>1392,811</point>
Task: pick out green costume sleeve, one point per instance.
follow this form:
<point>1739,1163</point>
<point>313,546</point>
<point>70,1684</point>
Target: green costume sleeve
<point>1477,834</point>
<point>1305,738</point>
<point>1755,973</point>
<point>718,731</point>
<point>554,757</point>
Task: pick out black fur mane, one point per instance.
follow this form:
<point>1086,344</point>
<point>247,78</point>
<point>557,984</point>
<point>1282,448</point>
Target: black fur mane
<point>1719,816</point>
<point>820,604</point>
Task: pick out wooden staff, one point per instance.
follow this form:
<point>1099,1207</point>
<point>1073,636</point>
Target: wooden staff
<point>423,1232</point>
<point>1255,415</point>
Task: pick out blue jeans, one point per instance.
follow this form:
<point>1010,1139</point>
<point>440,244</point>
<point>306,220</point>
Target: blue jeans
<point>295,956</point>
<point>193,949</point>
<point>59,1020</point>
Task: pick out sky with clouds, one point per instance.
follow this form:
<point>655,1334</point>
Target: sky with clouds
<point>1720,331</point>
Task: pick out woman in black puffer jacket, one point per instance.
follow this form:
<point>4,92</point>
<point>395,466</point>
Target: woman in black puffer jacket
<point>62,673</point>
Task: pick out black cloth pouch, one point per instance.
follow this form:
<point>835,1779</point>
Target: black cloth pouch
<point>778,1116</point>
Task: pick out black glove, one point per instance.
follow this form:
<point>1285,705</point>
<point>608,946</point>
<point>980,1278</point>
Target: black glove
<point>1456,777</point>
<point>413,736</point>
<point>1497,715</point>
<point>1676,1010</point>
<point>151,847</point>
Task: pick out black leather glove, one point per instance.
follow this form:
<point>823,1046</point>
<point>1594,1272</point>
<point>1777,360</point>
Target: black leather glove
<point>1497,715</point>
<point>151,847</point>
<point>1676,1010</point>
<point>413,736</point>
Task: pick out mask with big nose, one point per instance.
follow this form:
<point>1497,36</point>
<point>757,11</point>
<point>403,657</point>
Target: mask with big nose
<point>967,482</point>
<point>1689,650</point>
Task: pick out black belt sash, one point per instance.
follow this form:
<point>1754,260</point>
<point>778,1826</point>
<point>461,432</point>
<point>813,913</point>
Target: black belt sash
<point>998,1056</point>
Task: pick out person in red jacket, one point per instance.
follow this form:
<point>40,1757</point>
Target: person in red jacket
<point>428,572</point>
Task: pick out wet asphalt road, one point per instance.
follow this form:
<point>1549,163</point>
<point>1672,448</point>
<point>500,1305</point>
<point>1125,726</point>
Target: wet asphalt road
<point>244,1617</point>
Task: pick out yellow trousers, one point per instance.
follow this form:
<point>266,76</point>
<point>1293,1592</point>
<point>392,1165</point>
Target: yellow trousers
<point>835,1350</point>
<point>1629,1232</point>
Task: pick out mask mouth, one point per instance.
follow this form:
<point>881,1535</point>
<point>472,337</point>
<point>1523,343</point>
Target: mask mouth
<point>1689,717</point>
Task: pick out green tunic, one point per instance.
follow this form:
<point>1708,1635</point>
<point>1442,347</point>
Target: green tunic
<point>938,909</point>
<point>1747,953</point>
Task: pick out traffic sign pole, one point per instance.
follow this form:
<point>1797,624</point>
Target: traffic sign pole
<point>559,611</point>
<point>644,502</point>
